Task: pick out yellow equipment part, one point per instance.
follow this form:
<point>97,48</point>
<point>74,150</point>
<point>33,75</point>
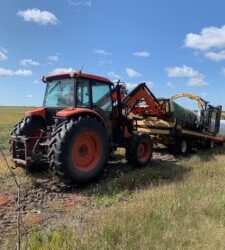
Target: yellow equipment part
<point>155,122</point>
<point>201,102</point>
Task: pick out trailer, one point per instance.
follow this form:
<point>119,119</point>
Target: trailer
<point>180,136</point>
<point>178,139</point>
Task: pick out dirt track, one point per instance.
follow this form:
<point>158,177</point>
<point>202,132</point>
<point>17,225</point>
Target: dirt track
<point>49,200</point>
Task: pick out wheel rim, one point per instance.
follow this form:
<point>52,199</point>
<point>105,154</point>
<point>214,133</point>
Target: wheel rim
<point>87,151</point>
<point>184,147</point>
<point>144,151</point>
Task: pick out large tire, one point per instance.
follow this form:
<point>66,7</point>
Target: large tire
<point>28,127</point>
<point>209,144</point>
<point>182,147</point>
<point>79,150</point>
<point>139,149</point>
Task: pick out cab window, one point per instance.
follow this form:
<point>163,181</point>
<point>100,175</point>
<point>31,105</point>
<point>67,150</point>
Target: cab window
<point>59,93</point>
<point>83,95</point>
<point>101,96</point>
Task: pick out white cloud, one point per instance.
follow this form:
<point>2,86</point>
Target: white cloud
<point>80,2</point>
<point>210,42</point>
<point>209,37</point>
<point>132,73</point>
<point>28,62</point>
<point>38,16</point>
<point>19,72</point>
<point>112,75</point>
<point>53,58</point>
<point>170,84</point>
<point>102,52</point>
<point>4,50</point>
<point>61,70</point>
<point>5,72</point>
<point>23,72</point>
<point>141,54</point>
<point>3,56</point>
<point>29,96</point>
<point>184,71</point>
<point>197,81</point>
<point>216,56</point>
<point>195,78</point>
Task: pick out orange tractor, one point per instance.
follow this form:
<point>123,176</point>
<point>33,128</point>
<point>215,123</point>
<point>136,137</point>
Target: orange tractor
<point>84,117</point>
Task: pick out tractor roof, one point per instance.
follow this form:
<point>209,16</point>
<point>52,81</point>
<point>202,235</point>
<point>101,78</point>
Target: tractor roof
<point>76,73</point>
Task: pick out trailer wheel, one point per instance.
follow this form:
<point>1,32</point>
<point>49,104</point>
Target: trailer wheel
<point>139,149</point>
<point>221,143</point>
<point>182,147</point>
<point>210,144</point>
<point>79,150</point>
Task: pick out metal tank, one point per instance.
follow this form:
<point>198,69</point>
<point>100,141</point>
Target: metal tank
<point>222,129</point>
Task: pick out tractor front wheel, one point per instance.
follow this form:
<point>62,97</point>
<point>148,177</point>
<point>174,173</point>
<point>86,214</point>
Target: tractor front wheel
<point>79,150</point>
<point>139,149</point>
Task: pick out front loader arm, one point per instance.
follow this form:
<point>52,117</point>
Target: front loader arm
<point>142,93</point>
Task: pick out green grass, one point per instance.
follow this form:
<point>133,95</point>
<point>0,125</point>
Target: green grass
<point>181,210</point>
<point>170,205</point>
<point>9,116</point>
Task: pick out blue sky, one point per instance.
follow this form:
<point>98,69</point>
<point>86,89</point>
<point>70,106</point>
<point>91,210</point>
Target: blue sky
<point>173,45</point>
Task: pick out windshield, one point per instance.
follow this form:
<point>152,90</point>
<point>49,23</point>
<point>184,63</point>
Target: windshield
<point>59,93</point>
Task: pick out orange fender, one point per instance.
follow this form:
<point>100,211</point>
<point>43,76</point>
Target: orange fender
<point>36,111</point>
<point>68,112</point>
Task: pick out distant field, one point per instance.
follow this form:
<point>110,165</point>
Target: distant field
<point>223,115</point>
<point>9,116</point>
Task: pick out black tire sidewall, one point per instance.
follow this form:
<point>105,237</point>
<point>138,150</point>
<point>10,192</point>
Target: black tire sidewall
<point>26,127</point>
<point>76,130</point>
<point>132,149</point>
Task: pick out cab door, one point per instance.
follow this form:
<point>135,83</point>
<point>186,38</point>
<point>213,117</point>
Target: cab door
<point>102,102</point>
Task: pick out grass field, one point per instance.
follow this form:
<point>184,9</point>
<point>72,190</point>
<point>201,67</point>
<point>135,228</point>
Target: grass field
<point>9,116</point>
<point>171,204</point>
<point>223,116</point>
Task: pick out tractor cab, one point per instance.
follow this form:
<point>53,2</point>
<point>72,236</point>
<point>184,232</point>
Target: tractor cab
<point>77,90</point>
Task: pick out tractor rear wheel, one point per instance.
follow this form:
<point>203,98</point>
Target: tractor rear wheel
<point>79,150</point>
<point>29,126</point>
<point>139,149</point>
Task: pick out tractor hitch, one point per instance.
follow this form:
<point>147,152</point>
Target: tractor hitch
<point>27,150</point>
